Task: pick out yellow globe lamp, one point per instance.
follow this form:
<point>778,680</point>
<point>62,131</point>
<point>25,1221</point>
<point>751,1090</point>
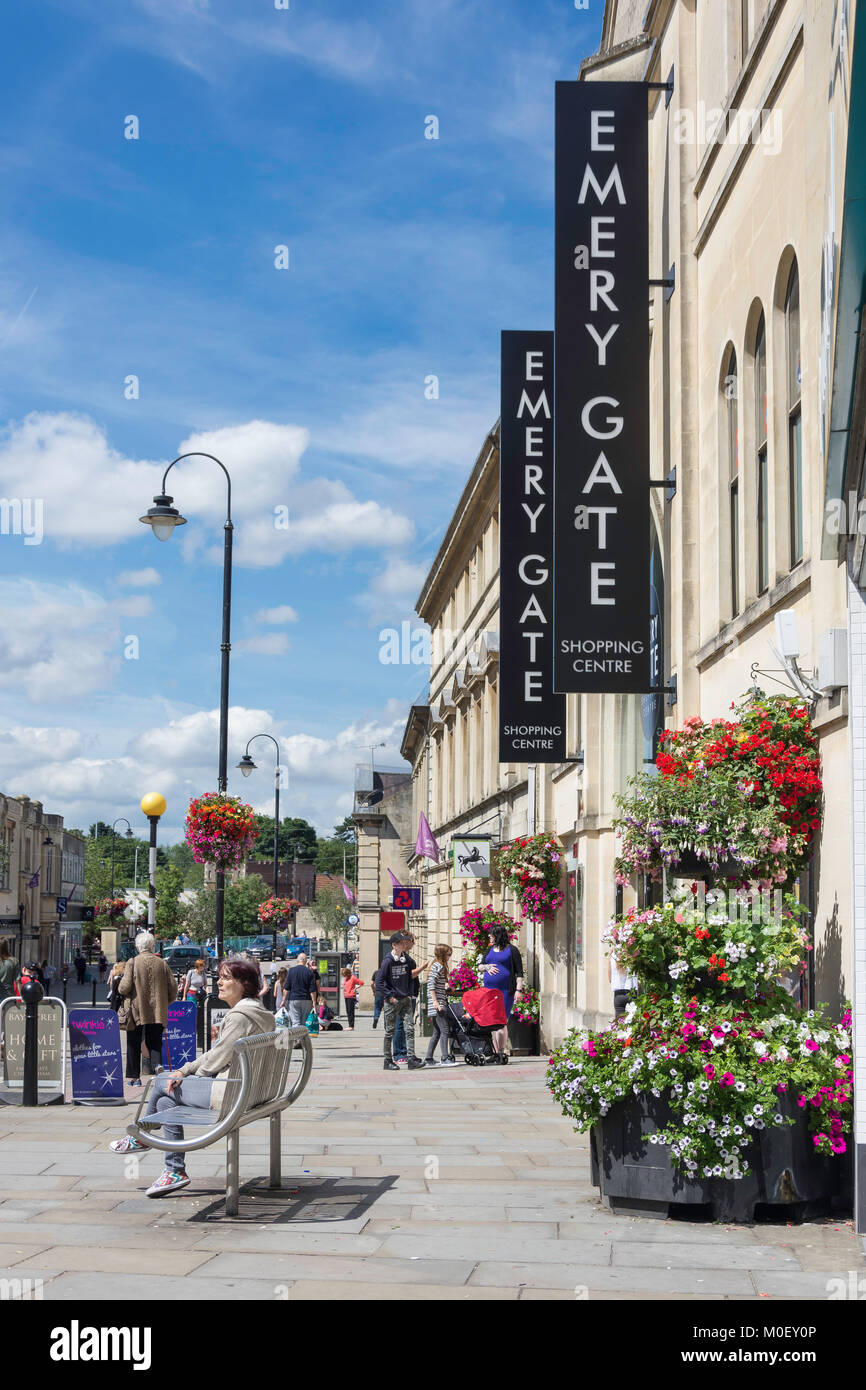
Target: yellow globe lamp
<point>153,804</point>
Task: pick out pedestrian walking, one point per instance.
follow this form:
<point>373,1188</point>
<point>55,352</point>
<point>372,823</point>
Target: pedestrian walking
<point>80,963</point>
<point>103,967</point>
<point>146,988</point>
<point>378,998</point>
<point>502,970</point>
<point>48,976</point>
<point>8,970</point>
<point>280,995</point>
<point>351,984</point>
<point>397,976</point>
<point>197,1083</point>
<point>302,985</point>
<point>437,999</point>
<point>195,983</point>
<point>115,975</point>
<point>400,1053</point>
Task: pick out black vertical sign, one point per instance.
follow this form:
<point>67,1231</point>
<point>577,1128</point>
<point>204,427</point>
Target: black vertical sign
<point>602,511</point>
<point>531,717</point>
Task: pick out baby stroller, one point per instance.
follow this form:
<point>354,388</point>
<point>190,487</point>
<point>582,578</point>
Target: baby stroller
<point>471,1020</point>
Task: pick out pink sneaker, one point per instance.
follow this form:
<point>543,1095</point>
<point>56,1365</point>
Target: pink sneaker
<point>126,1145</point>
<point>167,1184</point>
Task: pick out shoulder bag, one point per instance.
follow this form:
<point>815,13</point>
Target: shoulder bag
<point>124,1012</point>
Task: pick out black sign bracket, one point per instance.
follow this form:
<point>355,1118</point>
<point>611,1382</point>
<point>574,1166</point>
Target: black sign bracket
<point>666,87</point>
<point>669,484</point>
<point>668,283</point>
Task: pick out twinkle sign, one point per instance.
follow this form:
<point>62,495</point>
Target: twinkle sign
<point>602,510</point>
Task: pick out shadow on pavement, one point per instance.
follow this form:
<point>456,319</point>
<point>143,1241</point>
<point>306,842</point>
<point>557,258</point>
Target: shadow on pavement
<point>327,1200</point>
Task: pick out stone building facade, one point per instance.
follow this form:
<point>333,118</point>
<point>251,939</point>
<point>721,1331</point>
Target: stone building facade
<point>744,165</point>
<point>34,845</point>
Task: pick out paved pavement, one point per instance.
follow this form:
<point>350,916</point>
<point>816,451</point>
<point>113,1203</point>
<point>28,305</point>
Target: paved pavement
<point>461,1184</point>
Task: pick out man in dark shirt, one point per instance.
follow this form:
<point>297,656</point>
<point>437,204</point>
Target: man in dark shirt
<point>396,979</point>
<point>302,986</point>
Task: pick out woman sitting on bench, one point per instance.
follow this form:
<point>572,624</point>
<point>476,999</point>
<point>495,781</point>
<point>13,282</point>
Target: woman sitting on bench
<point>195,1083</point>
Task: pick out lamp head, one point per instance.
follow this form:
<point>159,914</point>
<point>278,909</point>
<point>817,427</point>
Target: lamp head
<point>153,804</point>
<point>163,517</point>
<point>246,765</point>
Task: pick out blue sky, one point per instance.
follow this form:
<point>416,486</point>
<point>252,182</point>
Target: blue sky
<point>154,257</point>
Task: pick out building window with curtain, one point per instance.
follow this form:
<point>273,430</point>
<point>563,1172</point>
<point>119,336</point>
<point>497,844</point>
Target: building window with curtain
<point>761,463</point>
<point>731,466</point>
<point>795,417</point>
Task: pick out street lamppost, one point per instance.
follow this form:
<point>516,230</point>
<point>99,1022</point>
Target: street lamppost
<point>163,518</point>
<point>47,844</point>
<point>153,806</point>
<point>247,766</point>
<point>129,828</point>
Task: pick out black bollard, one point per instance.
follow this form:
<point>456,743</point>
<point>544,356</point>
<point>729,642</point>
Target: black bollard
<point>31,993</point>
<point>93,1000</point>
<point>65,984</point>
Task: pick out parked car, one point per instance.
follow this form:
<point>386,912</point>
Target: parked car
<point>262,947</point>
<point>182,958</point>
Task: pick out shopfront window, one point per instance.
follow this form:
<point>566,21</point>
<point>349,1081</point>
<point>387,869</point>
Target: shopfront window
<point>761,459</point>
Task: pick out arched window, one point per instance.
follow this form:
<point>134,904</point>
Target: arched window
<point>761,464</point>
<point>795,418</point>
<point>731,471</point>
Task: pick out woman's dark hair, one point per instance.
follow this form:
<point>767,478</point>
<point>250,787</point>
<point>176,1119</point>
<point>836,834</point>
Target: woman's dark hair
<point>245,974</point>
<point>346,972</point>
<point>501,938</point>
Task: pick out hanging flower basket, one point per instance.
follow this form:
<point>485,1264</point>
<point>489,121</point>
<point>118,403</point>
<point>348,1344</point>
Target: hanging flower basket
<point>477,924</point>
<point>531,868</point>
<point>731,798</point>
<point>112,908</point>
<point>220,830</point>
<point>276,912</point>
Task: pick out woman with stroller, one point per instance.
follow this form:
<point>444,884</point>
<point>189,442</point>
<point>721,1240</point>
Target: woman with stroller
<point>437,999</point>
<point>503,970</point>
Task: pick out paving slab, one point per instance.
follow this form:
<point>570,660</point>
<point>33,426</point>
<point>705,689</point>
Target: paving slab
<point>696,1255</point>
<point>589,1278</point>
<point>511,1216</point>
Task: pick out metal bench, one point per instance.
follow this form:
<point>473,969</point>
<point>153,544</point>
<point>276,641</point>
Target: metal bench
<point>258,1086</point>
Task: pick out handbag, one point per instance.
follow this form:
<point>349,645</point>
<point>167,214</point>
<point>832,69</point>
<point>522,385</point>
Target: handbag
<point>124,1011</point>
<point>311,1022</point>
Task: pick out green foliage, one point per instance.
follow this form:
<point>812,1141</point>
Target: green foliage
<point>330,852</point>
<point>330,910</point>
<point>180,855</point>
<point>198,918</point>
<point>169,884</point>
<point>293,831</point>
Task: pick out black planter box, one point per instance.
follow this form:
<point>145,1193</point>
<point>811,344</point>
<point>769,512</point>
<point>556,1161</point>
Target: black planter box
<point>523,1038</point>
<point>638,1178</point>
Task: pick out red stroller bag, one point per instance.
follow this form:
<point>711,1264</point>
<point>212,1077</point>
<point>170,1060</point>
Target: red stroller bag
<point>486,1007</point>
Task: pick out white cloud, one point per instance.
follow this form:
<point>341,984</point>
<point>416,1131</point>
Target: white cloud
<point>275,617</point>
<point>83,779</point>
<point>48,455</point>
<point>139,579</point>
<point>60,640</point>
<point>266,644</point>
<point>391,594</point>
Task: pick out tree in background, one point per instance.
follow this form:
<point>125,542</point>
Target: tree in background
<point>97,863</point>
<point>330,910</point>
<point>169,909</point>
<point>293,831</point>
<point>338,849</point>
<point>198,918</point>
<point>180,855</point>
